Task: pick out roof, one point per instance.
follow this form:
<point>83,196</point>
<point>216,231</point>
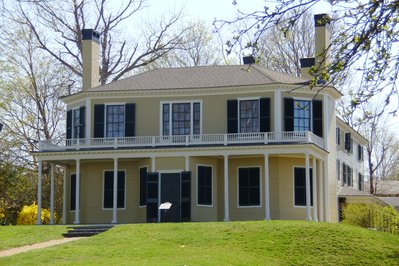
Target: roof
<point>391,201</point>
<point>201,77</point>
<point>345,191</point>
<point>387,188</point>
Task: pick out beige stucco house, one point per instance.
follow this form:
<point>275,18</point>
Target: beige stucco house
<point>219,143</point>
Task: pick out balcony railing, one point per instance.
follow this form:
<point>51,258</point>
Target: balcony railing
<point>183,140</point>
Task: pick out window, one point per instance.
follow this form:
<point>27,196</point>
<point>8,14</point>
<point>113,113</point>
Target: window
<point>361,182</point>
<point>181,118</point>
<point>249,116</point>
<point>300,186</point>
<point>76,123</point>
<point>143,186</point>
<point>204,185</point>
<point>348,143</point>
<point>302,115</point>
<point>360,152</point>
<point>72,200</point>
<point>115,121</point>
<point>109,189</point>
<point>338,170</point>
<point>347,175</point>
<point>249,186</point>
<point>338,136</point>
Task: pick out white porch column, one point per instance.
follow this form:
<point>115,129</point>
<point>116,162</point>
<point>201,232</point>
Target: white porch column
<point>267,188</point>
<point>226,189</point>
<point>153,164</point>
<point>115,200</point>
<point>52,194</point>
<point>88,119</point>
<point>39,193</point>
<point>64,194</point>
<point>77,193</point>
<point>326,191</point>
<point>308,213</point>
<point>321,194</point>
<point>315,205</point>
<point>187,163</point>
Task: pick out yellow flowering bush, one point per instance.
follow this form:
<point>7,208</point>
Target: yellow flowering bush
<point>28,215</point>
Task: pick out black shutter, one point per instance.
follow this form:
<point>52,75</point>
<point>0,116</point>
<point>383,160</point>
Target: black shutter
<point>265,115</point>
<point>232,116</point>
<point>69,125</point>
<point>185,196</point>
<point>318,118</point>
<point>143,186</point>
<point>99,120</point>
<point>130,115</point>
<point>288,114</point>
<point>82,123</point>
<point>152,197</point>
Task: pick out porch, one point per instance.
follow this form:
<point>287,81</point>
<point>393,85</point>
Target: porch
<point>275,166</point>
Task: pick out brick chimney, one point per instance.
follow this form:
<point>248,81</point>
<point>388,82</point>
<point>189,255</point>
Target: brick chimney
<point>322,44</point>
<point>90,58</point>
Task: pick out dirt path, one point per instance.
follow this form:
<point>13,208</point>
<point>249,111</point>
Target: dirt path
<point>13,251</point>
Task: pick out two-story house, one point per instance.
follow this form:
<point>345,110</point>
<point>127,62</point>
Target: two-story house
<point>219,143</point>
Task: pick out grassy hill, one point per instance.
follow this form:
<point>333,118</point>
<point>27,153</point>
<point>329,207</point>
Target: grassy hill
<point>233,243</point>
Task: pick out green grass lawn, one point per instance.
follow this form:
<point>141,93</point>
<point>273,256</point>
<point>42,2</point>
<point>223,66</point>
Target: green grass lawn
<point>16,236</point>
<point>232,243</point>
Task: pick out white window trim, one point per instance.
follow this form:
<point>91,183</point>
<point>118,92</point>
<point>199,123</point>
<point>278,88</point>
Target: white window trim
<point>144,166</point>
<point>70,188</point>
<point>191,102</point>
<point>239,113</point>
<point>293,186</point>
<point>260,187</point>
<point>102,205</point>
<point>105,116</point>
<point>196,188</point>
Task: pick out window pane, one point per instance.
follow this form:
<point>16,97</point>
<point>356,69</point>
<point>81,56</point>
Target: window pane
<point>109,189</point>
<point>249,186</point>
<point>204,189</point>
<point>249,116</point>
<point>115,121</point>
<point>181,119</point>
<point>301,115</point>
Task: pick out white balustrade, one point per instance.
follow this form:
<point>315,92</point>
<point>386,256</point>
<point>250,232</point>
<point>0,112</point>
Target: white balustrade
<point>182,140</point>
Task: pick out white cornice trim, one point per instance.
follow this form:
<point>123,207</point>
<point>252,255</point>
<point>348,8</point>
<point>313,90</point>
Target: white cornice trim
<point>71,99</point>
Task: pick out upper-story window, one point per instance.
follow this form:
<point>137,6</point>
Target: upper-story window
<point>76,123</point>
<point>338,136</point>
<point>360,152</point>
<point>348,142</point>
<point>182,118</point>
<point>249,116</point>
<point>302,115</point>
<point>115,121</point>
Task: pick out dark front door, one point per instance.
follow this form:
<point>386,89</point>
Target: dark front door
<point>170,192</point>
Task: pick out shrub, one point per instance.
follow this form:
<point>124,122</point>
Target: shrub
<point>28,215</point>
<point>372,216</point>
